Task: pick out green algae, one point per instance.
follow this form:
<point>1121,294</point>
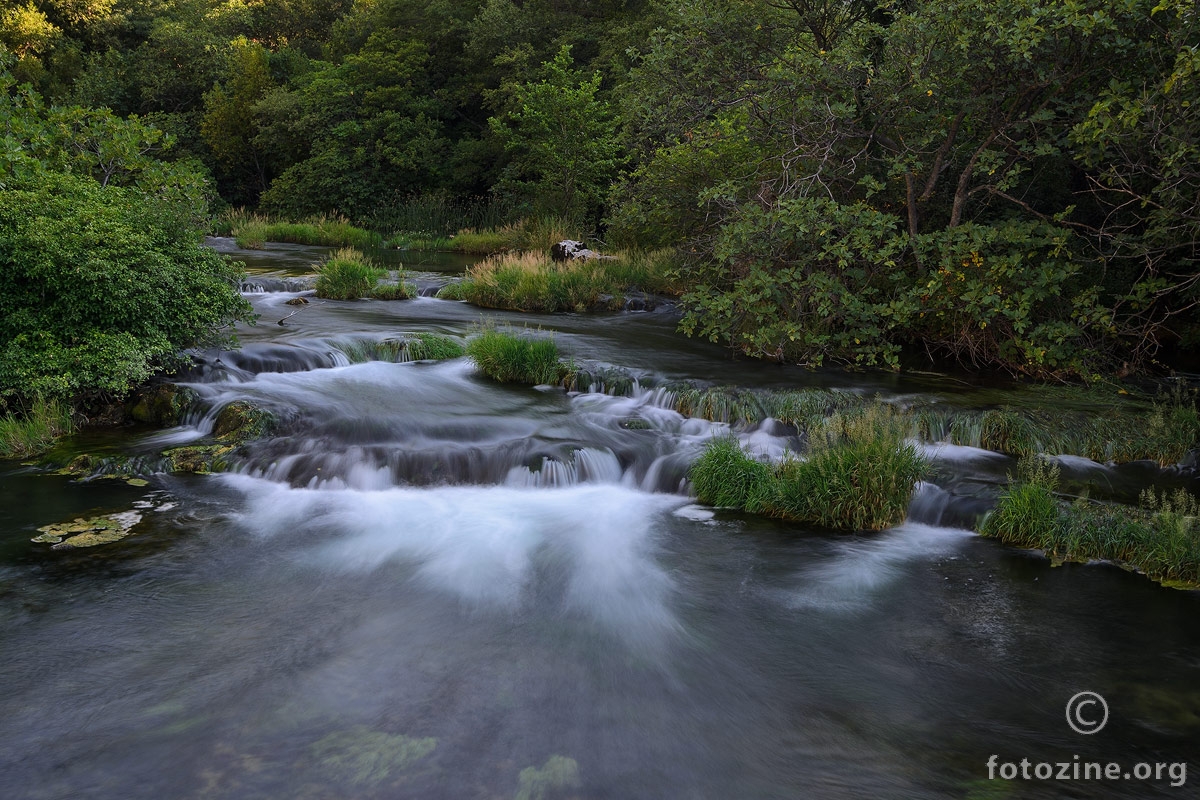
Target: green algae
<point>558,774</point>
<point>367,757</point>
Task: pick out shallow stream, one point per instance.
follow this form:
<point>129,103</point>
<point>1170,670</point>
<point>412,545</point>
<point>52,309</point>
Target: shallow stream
<point>429,585</point>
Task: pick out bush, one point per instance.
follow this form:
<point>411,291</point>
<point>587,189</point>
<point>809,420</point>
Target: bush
<point>102,286</point>
<point>507,357</point>
<point>347,275</point>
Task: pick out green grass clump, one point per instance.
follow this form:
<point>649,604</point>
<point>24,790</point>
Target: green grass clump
<point>531,281</point>
<point>451,291</point>
<point>36,431</point>
<point>859,475</point>
<point>1160,539</point>
<point>432,347</point>
<point>393,291</point>
<point>347,275</point>
<point>507,357</point>
<point>254,231</point>
<point>725,475</point>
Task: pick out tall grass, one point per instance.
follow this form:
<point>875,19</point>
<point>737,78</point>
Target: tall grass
<point>509,357</point>
<point>252,232</point>
<point>858,475</point>
<point>347,275</point>
<point>1160,539</point>
<point>530,281</point>
<point>432,347</point>
<point>36,431</point>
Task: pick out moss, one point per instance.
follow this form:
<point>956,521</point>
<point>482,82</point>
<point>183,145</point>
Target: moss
<point>367,757</point>
<point>198,458</point>
<point>557,776</point>
<point>163,405</point>
<point>242,421</point>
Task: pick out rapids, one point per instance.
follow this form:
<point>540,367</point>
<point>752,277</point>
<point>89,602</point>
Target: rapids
<point>428,585</point>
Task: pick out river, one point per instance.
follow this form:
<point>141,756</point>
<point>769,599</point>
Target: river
<point>428,585</point>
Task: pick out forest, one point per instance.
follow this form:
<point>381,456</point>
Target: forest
<point>1010,187</point>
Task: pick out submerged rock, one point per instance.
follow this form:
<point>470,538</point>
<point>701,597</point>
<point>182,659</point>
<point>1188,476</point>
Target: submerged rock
<point>241,421</point>
<point>163,404</point>
<point>197,458</point>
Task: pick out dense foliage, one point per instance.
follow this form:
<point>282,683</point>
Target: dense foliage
<point>1008,185</point>
<point>102,276</point>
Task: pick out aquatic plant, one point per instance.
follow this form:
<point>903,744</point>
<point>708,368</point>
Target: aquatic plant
<point>393,291</point>
<point>559,774</point>
<point>1160,539</point>
<point>367,757</point>
<point>726,475</point>
<point>347,275</point>
<point>858,474</point>
<point>36,430</point>
<point>509,357</point>
<point>253,232</point>
<point>432,346</point>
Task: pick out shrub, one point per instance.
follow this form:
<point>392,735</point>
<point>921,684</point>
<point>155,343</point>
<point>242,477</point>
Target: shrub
<point>507,357</point>
<point>347,275</point>
<point>102,286</point>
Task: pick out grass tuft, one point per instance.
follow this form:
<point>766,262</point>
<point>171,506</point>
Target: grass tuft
<point>252,232</point>
<point>35,432</point>
<point>433,347</point>
<point>726,475</point>
<point>530,281</point>
<point>509,357</point>
<point>859,475</point>
<point>1160,539</point>
<point>347,275</point>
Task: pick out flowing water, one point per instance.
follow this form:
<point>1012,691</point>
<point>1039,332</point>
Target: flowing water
<point>427,585</point>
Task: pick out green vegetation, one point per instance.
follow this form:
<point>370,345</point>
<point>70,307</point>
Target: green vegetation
<point>858,475</point>
<point>1161,539</point>
<point>103,280</point>
<point>838,187</point>
<point>367,757</point>
<point>510,357</point>
<point>254,231</point>
<point>432,347</point>
<point>347,275</point>
<point>729,477</point>
<point>557,778</point>
<point>35,431</point>
<point>532,282</point>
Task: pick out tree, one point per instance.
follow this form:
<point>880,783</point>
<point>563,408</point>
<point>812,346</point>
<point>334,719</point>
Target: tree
<point>562,138</point>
